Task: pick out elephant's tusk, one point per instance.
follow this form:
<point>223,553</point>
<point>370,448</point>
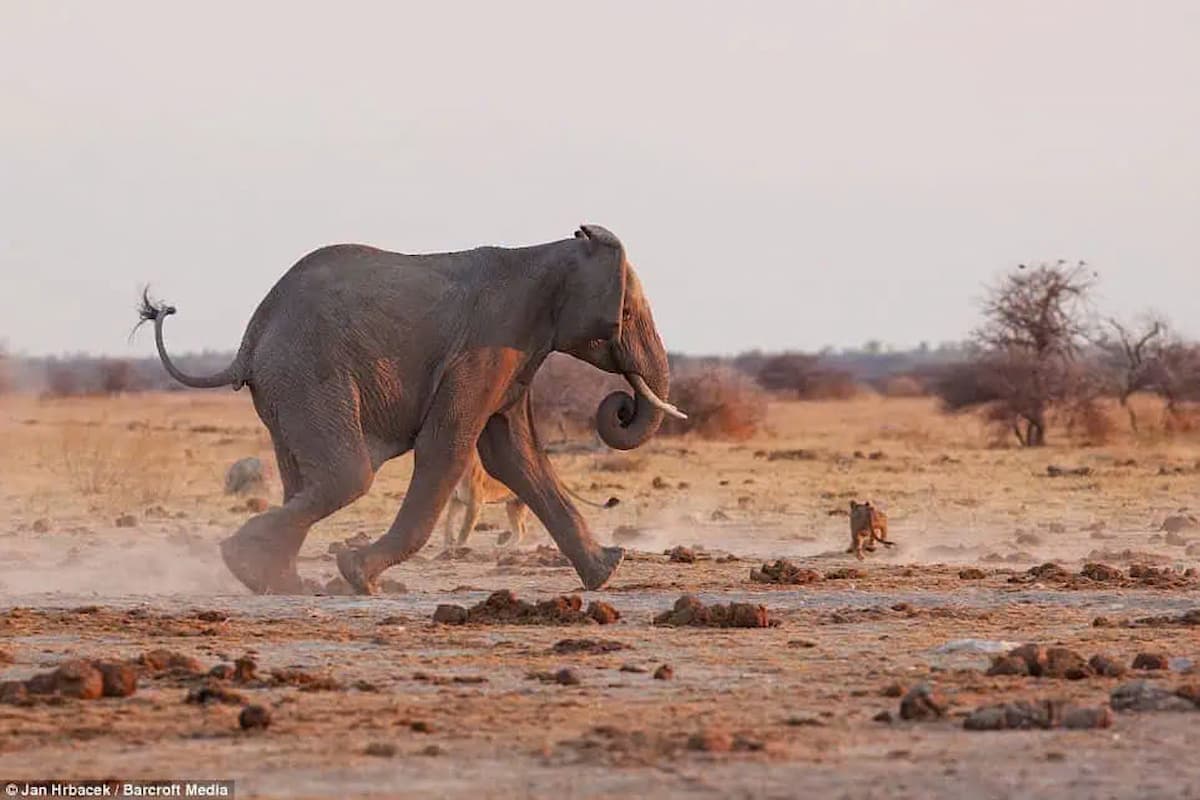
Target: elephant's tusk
<point>639,383</point>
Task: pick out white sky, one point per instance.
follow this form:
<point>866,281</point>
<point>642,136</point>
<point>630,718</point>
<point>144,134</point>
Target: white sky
<point>784,175</point>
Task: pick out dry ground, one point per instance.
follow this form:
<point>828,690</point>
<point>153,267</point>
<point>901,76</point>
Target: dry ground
<point>453,712</point>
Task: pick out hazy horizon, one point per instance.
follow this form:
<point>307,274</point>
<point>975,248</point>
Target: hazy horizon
<point>784,176</point>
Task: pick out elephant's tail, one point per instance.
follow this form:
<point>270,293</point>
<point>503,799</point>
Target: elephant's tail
<point>149,311</point>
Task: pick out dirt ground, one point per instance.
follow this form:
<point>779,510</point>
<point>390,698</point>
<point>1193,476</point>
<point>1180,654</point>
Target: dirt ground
<point>110,511</point>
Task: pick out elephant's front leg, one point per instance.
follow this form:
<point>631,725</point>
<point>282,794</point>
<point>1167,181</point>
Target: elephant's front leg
<point>440,457</point>
<point>510,453</point>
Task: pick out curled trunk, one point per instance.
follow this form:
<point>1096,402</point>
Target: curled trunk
<point>626,421</point>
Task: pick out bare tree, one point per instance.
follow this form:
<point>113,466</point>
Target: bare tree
<point>1026,351</point>
<point>1134,354</point>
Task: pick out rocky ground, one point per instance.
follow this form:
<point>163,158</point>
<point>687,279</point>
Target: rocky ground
<point>738,652</point>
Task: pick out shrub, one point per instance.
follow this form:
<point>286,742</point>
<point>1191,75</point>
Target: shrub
<point>721,403</point>
<point>903,386</point>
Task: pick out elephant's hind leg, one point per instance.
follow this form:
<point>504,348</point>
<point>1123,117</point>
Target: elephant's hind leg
<point>321,474</point>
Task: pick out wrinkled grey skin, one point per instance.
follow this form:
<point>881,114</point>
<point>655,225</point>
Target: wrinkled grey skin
<point>358,355</point>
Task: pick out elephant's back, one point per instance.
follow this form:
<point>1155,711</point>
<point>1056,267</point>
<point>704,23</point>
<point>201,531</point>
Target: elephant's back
<point>346,305</point>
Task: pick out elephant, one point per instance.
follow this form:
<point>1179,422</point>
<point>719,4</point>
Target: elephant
<point>358,355</point>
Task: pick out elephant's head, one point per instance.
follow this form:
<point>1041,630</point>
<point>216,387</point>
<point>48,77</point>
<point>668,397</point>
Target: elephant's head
<point>605,320</point>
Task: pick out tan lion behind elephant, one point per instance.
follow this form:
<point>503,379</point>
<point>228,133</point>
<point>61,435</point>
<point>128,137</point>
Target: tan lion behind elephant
<point>474,489</point>
<point>868,525</point>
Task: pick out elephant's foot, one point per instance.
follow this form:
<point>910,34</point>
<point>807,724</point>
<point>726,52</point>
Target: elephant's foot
<point>259,571</point>
<point>353,565</point>
<point>597,571</point>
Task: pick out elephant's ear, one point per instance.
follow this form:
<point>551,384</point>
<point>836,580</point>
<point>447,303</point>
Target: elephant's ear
<point>594,292</point>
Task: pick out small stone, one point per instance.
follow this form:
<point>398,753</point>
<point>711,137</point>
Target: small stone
<point>1106,666</point>
<point>432,750</point>
<point>634,668</point>
<point>602,612</point>
<point>681,555</point>
<point>381,749</point>
<point>119,679</point>
<point>449,614</point>
<point>971,574</point>
<point>1087,718</point>
<point>1151,661</point>
<point>1102,573</point>
<point>79,679</point>
<point>125,521</point>
<point>257,505</point>
<point>710,740</point>
<point>420,726</point>
<point>41,525</point>
<point>1064,663</point>
<point>664,673</point>
<point>884,717</point>
<point>1009,665</point>
<point>254,718</point>
<point>221,672</point>
<point>1145,696</point>
<point>893,689</point>
<point>1034,656</point>
<point>922,702</point>
<point>566,677</point>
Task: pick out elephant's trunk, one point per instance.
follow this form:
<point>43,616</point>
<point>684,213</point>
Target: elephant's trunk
<point>626,422</point>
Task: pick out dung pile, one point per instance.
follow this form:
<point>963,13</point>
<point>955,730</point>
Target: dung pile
<point>504,608</point>
<point>690,612</point>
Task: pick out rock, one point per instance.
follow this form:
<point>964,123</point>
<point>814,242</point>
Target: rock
<point>244,476</point>
<point>634,668</point>
<point>659,483</point>
<point>257,505</point>
<point>893,689</point>
<point>221,672</point>
<point>13,693</point>
<point>922,702</point>
<point>681,555</point>
<point>602,613</point>
<point>118,678</point>
<point>1087,718</point>
<point>41,525</point>
<point>1179,523</point>
<point>1009,665</point>
<point>1034,656</point>
<point>711,740</point>
<point>213,692</point>
<point>664,673</point>
<point>1054,471</point>
<point>1102,573</point>
<point>1018,715</point>
<point>1151,661</point>
<point>1106,666</point>
<point>449,614</point>
<point>588,646</point>
<point>884,717</point>
<point>245,669</point>
<point>381,750</point>
<point>566,677</point>
<point>79,679</point>
<point>420,726</point>
<point>166,661</point>
<point>844,574</point>
<point>254,718</point>
<point>784,572</point>
<point>971,574</point>
<point>1048,572</point>
<point>1064,663</point>
<point>1146,696</point>
<point>1028,538</point>
<point>126,521</point>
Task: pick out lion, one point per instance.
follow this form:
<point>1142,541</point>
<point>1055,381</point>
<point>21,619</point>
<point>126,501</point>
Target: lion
<point>867,525</point>
<point>475,488</point>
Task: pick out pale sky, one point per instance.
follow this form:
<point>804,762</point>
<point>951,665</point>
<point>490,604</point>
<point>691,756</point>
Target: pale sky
<point>784,175</point>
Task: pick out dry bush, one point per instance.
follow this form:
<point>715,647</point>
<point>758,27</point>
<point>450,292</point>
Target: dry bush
<point>721,403</point>
<point>620,462</point>
<point>115,376</point>
<point>1088,421</point>
<point>6,370</point>
<point>566,392</point>
<point>63,379</point>
<point>903,386</point>
<point>121,466</point>
<point>803,376</point>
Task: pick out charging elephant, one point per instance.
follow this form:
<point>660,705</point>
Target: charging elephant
<point>358,355</point>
